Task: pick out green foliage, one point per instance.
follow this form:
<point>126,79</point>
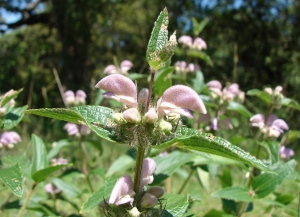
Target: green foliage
<point>234,193</point>
<point>194,140</point>
<point>12,118</point>
<point>13,178</point>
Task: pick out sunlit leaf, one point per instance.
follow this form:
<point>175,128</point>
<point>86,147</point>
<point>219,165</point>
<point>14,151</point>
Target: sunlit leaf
<point>176,205</point>
<point>239,108</point>
<point>42,174</point>
<point>192,139</point>
<point>234,193</point>
<point>8,96</point>
<point>13,178</point>
<point>39,158</point>
<point>13,117</point>
<point>260,94</point>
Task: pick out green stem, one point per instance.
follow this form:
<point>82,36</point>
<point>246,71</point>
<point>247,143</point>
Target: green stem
<point>138,172</point>
<point>150,88</point>
<point>186,181</point>
<point>27,199</point>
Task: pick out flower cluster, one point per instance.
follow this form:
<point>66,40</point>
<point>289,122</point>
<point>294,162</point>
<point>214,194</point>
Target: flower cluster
<point>198,43</point>
<point>123,69</point>
<point>229,93</point>
<point>72,99</point>
<point>52,189</point>
<point>123,193</point>
<point>286,153</point>
<point>9,139</point>
<point>272,127</point>
<point>176,101</point>
<point>215,123</point>
<point>58,161</point>
<point>77,130</point>
<point>181,67</point>
<point>275,95</point>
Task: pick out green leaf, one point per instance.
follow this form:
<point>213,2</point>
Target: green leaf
<point>169,163</point>
<point>13,178</point>
<point>8,96</point>
<point>201,55</point>
<point>136,76</point>
<point>204,178</point>
<point>176,205</point>
<point>260,94</point>
<point>198,82</point>
<point>163,80</point>
<point>159,36</point>
<point>42,174</point>
<point>237,107</point>
<point>57,147</point>
<point>13,117</point>
<point>102,193</point>
<point>285,198</point>
<point>66,188</point>
<point>192,139</point>
<point>234,193</point>
<point>290,103</point>
<point>198,27</point>
<point>265,183</point>
<point>121,164</point>
<point>39,158</point>
<point>59,114</point>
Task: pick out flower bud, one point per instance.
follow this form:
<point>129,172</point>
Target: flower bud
<point>122,192</point>
<point>2,111</point>
<point>149,166</point>
<point>148,201</point>
<point>69,97</point>
<point>165,126</point>
<point>125,66</point>
<point>80,97</point>
<point>134,212</point>
<point>151,116</point>
<point>132,115</point>
<point>143,96</point>
<point>118,118</point>
<point>156,191</point>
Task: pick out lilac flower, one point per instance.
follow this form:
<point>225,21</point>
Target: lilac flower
<point>148,201</point>
<point>131,115</point>
<point>52,189</point>
<point>2,111</point>
<point>122,192</point>
<point>80,97</point>
<point>216,123</point>
<point>69,97</point>
<point>58,161</point>
<point>180,99</point>
<point>72,129</point>
<point>149,166</point>
<point>199,44</point>
<point>186,40</point>
<point>273,127</point>
<point>286,153</point>
<point>123,69</point>
<point>9,139</point>
<point>84,130</point>
<point>182,67</point>
<point>119,88</point>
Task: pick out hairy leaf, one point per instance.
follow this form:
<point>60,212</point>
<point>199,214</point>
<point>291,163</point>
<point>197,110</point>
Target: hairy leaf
<point>192,139</point>
<point>12,118</point>
<point>13,178</point>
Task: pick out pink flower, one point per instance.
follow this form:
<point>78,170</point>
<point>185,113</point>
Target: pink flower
<point>186,40</point>
<point>69,97</point>
<point>72,129</point>
<point>80,97</point>
<point>119,88</point>
<point>123,69</point>
<point>149,166</point>
<point>58,161</point>
<point>122,192</point>
<point>273,127</point>
<point>180,99</point>
<point>52,189</point>
<point>9,139</point>
<point>199,44</point>
<point>286,153</point>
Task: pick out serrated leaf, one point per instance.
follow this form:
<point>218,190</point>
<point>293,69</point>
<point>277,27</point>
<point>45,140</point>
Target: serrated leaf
<point>237,107</point>
<point>159,35</point>
<point>265,183</point>
<point>13,178</point>
<point>260,94</point>
<point>163,80</point>
<point>234,193</point>
<point>66,188</point>
<point>13,117</point>
<point>59,114</point>
<point>9,95</point>
<point>102,193</point>
<point>39,158</point>
<point>176,205</point>
<point>42,174</point>
<point>121,164</point>
<point>192,139</point>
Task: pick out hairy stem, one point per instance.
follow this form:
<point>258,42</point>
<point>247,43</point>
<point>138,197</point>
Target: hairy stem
<point>138,171</point>
<point>27,199</point>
